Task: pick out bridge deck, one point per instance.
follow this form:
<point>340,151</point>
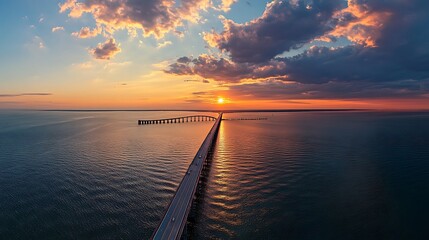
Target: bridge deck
<point>174,220</point>
<point>193,118</point>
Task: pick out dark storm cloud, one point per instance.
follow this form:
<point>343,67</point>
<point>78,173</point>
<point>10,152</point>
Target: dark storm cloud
<point>389,56</point>
<point>208,67</point>
<point>272,89</point>
<point>351,63</point>
<point>401,50</point>
<point>285,25</point>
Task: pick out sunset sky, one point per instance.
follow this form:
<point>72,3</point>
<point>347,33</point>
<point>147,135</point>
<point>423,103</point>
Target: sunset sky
<point>186,54</point>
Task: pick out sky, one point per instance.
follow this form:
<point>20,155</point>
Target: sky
<point>187,54</point>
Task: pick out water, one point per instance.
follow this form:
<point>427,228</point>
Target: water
<point>67,175</point>
<point>92,175</point>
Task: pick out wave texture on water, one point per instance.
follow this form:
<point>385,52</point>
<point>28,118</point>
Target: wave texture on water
<point>90,175</point>
<point>318,176</point>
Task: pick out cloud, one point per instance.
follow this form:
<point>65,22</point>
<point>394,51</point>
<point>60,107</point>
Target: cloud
<point>149,17</point>
<point>153,17</point>
<point>224,69</point>
<point>280,90</point>
<point>86,32</point>
<point>106,50</point>
<point>57,29</point>
<point>196,80</point>
<point>25,94</point>
<point>226,5</point>
<point>388,56</point>
<point>36,43</point>
<point>359,24</point>
<point>163,44</point>
<point>201,93</point>
<point>284,25</point>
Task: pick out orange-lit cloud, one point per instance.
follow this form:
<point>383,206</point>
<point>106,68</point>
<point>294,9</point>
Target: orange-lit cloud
<point>86,32</point>
<point>155,17</point>
<point>359,24</point>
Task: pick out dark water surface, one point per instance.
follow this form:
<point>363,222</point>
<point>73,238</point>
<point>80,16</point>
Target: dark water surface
<point>97,175</point>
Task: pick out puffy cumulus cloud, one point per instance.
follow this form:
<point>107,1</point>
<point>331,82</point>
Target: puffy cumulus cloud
<point>284,25</point>
<point>86,32</point>
<point>389,56</point>
<point>106,50</point>
<point>226,5</point>
<point>154,17</point>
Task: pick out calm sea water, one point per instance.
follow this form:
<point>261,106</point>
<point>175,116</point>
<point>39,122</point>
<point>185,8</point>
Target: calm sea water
<point>97,175</point>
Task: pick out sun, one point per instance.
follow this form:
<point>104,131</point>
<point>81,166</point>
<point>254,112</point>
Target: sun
<point>220,100</point>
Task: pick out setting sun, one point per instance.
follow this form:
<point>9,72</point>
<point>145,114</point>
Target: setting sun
<point>220,100</point>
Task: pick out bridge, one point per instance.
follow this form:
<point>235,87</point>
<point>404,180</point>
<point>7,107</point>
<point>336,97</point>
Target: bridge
<point>194,118</point>
<point>175,218</point>
<point>250,119</point>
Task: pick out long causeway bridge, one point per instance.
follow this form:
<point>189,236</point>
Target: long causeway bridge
<point>175,218</point>
<point>194,118</point>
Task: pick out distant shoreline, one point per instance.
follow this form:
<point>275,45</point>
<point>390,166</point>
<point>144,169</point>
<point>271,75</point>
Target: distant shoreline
<point>199,110</point>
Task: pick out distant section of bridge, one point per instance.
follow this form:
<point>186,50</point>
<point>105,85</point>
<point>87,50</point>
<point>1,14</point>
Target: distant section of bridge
<point>175,218</point>
<point>194,118</point>
<point>250,119</point>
